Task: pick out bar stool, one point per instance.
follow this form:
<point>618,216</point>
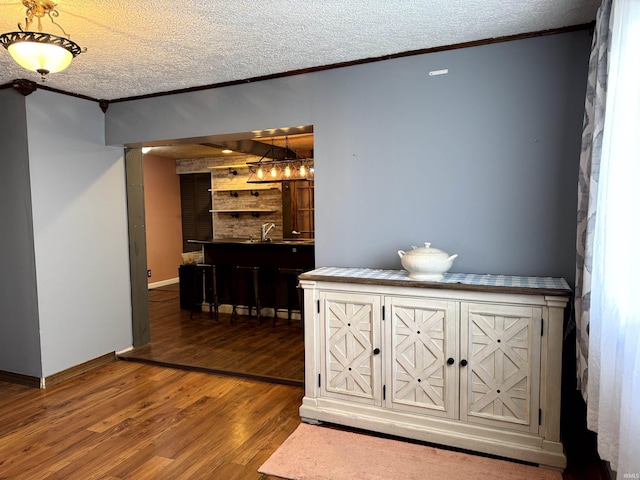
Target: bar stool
<point>205,277</point>
<point>245,290</point>
<point>287,293</point>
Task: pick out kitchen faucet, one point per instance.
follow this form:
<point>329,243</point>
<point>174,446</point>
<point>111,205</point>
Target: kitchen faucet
<point>264,231</point>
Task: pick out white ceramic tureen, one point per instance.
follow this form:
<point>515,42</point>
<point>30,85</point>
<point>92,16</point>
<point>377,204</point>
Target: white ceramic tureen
<point>426,263</point>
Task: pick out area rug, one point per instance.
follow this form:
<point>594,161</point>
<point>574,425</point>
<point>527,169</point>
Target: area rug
<point>323,453</point>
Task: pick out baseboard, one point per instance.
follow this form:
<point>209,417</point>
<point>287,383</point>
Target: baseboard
<point>163,283</point>
<point>78,369</point>
<point>266,311</point>
<point>20,379</point>
<point>126,350</point>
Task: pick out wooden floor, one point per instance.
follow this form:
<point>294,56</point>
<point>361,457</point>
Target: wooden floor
<point>268,351</point>
<point>278,353</point>
<point>130,420</point>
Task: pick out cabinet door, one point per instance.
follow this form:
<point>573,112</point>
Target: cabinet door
<point>501,382</point>
<point>423,335</point>
<point>351,332</point>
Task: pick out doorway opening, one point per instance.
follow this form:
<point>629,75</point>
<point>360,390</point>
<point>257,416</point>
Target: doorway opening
<point>195,339</point>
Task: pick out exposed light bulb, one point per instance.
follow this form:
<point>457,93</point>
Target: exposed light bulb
<point>287,171</point>
<point>303,170</point>
<point>274,172</point>
<point>260,173</point>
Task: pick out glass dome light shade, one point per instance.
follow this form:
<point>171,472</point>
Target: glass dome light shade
<point>38,57</point>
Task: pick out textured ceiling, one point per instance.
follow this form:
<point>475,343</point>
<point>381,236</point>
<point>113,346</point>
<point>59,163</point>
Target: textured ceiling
<point>144,47</point>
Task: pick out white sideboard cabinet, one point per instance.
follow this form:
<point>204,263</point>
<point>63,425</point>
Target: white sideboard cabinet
<point>472,361</point>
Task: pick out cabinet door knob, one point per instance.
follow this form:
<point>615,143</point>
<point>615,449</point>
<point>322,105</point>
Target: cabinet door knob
<point>450,361</point>
<point>376,351</point>
<point>463,362</point>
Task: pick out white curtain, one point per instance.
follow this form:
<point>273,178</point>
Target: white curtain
<point>613,387</point>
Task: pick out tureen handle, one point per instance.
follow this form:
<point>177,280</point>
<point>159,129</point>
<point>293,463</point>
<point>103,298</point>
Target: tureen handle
<point>401,253</point>
<point>452,257</point>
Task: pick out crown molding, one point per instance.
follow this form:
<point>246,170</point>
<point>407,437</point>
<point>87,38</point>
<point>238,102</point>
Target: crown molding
<point>104,104</point>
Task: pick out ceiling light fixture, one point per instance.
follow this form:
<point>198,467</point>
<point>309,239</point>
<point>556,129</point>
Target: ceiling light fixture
<point>39,52</point>
<point>271,168</point>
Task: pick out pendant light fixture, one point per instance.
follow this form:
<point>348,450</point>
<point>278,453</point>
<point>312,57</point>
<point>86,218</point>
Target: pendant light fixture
<point>272,168</point>
<point>40,52</point>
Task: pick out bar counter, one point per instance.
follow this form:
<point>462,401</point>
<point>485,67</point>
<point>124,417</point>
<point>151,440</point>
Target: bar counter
<point>277,263</point>
<point>270,254</point>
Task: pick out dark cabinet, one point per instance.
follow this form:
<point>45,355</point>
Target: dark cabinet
<point>276,262</point>
<point>190,288</point>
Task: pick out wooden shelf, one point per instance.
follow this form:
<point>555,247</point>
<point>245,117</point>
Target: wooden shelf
<point>226,167</point>
<point>256,212</point>
<point>240,189</point>
<point>241,210</point>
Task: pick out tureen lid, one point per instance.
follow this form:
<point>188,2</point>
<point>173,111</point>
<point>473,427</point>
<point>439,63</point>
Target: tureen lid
<point>426,250</point>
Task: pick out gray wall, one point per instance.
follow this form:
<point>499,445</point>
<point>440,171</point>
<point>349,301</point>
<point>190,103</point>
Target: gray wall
<point>481,162</point>
<point>19,328</point>
<point>78,195</point>
<point>64,282</point>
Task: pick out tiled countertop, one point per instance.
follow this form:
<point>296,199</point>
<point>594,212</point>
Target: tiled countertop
<point>462,281</point>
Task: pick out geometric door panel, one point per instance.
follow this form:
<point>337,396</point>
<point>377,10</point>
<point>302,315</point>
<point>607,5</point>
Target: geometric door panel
<point>499,384</point>
<point>422,335</point>
<point>352,332</point>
